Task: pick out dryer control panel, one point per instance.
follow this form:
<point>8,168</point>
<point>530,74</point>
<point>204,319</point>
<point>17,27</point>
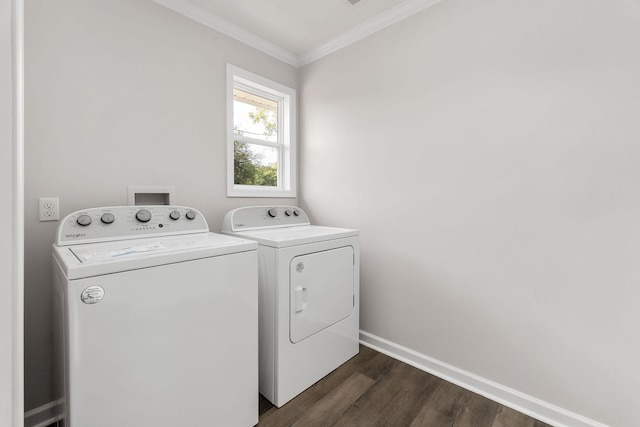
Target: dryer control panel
<point>263,217</point>
<point>128,222</point>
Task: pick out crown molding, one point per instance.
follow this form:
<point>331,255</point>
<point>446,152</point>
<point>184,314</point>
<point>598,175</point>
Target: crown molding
<point>377,23</point>
<point>211,20</point>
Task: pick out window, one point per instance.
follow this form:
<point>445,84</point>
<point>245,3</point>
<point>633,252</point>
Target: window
<point>260,136</point>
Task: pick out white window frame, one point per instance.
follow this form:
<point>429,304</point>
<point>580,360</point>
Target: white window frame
<point>286,98</point>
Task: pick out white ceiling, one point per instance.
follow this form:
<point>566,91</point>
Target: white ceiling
<point>297,31</point>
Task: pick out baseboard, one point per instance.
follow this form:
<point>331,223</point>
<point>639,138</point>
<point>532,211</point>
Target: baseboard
<point>506,396</point>
<point>42,416</point>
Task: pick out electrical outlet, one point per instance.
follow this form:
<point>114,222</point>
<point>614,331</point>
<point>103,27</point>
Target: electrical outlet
<point>49,209</point>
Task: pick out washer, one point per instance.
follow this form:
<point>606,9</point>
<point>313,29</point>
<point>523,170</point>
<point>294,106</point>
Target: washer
<point>309,296</point>
<point>156,320</point>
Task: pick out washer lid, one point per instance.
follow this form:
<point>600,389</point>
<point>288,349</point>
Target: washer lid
<point>94,259</point>
<point>293,236</point>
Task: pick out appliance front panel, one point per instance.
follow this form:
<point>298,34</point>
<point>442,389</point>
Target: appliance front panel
<point>298,366</point>
<point>170,345</point>
<point>321,291</point>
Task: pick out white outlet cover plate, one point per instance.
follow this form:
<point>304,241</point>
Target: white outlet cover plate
<point>49,209</point>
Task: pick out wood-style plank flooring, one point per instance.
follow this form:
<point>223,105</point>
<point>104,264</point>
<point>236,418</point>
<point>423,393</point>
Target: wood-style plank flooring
<point>373,389</point>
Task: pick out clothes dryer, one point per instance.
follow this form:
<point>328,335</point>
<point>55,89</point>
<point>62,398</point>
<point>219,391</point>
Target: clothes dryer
<point>309,296</point>
<point>156,320</point>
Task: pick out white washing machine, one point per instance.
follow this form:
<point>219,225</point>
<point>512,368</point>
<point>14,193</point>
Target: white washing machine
<point>309,296</point>
<point>156,320</point>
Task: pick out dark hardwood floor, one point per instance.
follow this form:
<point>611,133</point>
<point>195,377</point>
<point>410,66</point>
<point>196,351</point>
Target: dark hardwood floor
<point>373,389</point>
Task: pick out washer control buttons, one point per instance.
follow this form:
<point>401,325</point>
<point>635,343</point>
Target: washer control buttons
<point>84,220</point>
<point>143,215</point>
<point>273,212</point>
<point>296,212</point>
<point>190,215</point>
<point>174,215</point>
<point>107,218</point>
<point>287,212</point>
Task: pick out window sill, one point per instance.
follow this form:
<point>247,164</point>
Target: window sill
<point>255,191</point>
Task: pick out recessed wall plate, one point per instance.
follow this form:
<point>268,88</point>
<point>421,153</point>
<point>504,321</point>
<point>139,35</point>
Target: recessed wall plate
<point>150,195</point>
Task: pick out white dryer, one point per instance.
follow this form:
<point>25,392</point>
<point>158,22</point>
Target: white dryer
<point>308,296</point>
<point>156,320</point>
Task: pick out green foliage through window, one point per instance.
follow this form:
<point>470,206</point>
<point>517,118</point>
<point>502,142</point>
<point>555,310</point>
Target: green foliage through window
<point>248,167</point>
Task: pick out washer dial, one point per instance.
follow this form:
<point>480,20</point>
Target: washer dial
<point>84,220</point>
<point>143,215</point>
<point>107,218</point>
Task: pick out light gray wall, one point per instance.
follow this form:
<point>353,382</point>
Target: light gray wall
<point>118,93</point>
<point>488,152</point>
<point>11,401</point>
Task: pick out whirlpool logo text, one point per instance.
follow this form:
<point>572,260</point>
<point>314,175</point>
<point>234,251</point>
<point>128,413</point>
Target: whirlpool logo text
<point>75,235</point>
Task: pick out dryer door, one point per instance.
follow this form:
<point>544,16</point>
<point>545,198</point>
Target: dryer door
<point>321,291</point>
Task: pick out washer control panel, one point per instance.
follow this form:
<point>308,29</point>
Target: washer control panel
<point>128,222</point>
<point>259,217</point>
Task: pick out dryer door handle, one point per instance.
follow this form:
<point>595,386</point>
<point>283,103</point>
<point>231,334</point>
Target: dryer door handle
<point>300,299</point>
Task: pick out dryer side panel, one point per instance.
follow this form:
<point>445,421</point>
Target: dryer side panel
<point>267,321</point>
<point>321,291</point>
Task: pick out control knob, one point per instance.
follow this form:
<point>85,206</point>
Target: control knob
<point>296,212</point>
<point>143,215</point>
<point>287,212</point>
<point>84,220</point>
<point>174,215</point>
<point>190,215</point>
<point>273,212</point>
<point>107,218</point>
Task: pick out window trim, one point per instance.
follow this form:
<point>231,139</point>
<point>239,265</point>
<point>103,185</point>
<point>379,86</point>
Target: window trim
<point>286,98</point>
